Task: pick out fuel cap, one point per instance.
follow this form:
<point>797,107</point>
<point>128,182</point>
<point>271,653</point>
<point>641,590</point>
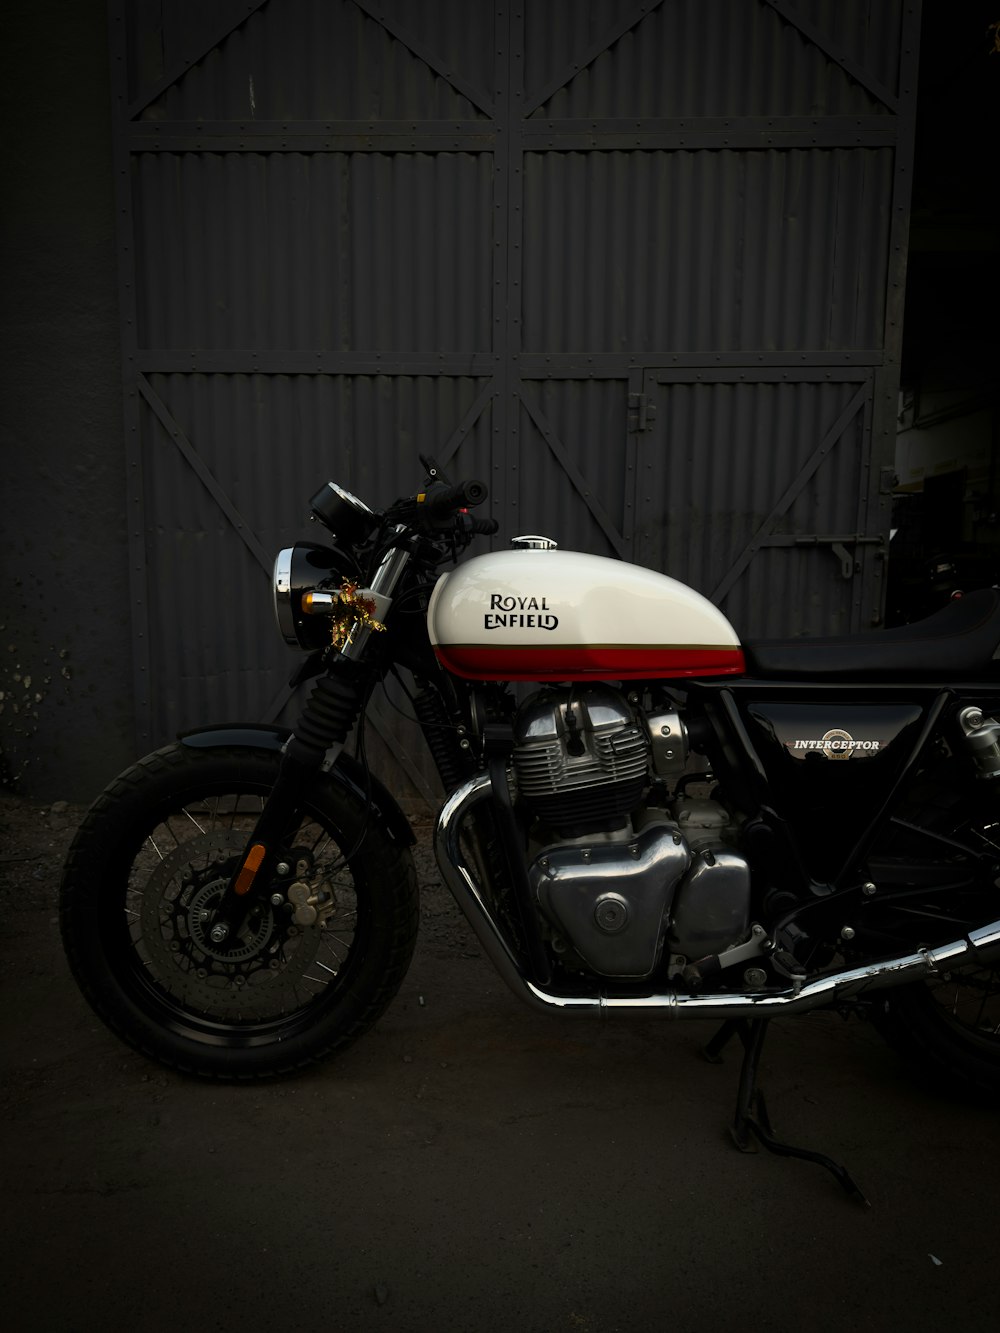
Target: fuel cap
<point>534,543</point>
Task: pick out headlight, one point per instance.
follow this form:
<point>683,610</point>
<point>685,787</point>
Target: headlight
<point>297,570</point>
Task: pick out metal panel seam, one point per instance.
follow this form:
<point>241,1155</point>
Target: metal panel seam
<point>176,72</point>
<point>884,409</point>
<point>204,475</point>
<point>572,472</point>
<point>135,491</point>
<point>412,43</point>
<point>465,425</point>
<point>597,48</point>
<point>827,443</point>
<point>849,66</point>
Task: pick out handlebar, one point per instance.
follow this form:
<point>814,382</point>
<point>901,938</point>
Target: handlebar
<point>438,511</point>
<point>481,527</point>
<point>443,498</point>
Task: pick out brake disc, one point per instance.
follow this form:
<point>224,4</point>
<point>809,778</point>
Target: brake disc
<point>175,914</point>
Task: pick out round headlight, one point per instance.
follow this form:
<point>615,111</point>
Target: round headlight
<point>300,569</point>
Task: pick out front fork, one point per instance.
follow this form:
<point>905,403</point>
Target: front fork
<point>318,738</point>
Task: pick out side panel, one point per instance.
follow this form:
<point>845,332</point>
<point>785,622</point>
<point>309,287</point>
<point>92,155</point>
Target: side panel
<point>828,758</point>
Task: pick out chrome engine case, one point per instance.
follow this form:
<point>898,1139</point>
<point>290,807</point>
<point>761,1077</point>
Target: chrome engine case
<point>711,906</point>
<point>617,881</point>
<point>610,899</point>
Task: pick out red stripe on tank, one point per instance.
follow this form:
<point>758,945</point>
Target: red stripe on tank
<point>573,662</point>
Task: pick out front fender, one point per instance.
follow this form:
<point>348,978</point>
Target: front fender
<point>346,772</point>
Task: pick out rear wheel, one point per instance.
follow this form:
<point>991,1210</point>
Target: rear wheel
<point>314,964</point>
<point>948,1029</point>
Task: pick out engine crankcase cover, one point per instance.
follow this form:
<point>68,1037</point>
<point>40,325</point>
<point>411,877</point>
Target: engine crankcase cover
<point>712,906</point>
<point>611,900</point>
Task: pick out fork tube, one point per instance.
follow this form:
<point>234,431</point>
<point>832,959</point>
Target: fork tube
<point>318,737</point>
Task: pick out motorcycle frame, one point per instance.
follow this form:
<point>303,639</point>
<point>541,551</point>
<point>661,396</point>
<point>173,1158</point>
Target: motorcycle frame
<point>468,747</point>
<point>823,903</point>
<point>820,992</point>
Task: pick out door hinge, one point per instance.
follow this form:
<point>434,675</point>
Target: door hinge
<point>838,543</point>
<point>641,411</point>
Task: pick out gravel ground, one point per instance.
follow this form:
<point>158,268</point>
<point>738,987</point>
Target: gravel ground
<point>469,1165</point>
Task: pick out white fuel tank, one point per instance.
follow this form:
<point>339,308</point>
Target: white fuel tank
<point>563,615</point>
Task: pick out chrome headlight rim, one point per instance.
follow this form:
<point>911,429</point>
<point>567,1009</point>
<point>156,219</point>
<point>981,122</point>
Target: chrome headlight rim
<point>300,569</point>
<point>281,590</point>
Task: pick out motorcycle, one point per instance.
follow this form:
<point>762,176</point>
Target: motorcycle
<point>643,812</point>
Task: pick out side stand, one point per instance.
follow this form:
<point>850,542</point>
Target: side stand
<point>747,1125</point>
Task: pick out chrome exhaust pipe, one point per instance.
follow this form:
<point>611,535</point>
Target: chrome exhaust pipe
<point>823,990</point>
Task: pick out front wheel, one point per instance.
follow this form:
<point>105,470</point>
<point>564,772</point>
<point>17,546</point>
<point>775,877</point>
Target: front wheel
<point>314,964</point>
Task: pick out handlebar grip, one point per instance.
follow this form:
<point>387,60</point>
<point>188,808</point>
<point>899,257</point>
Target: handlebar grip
<point>484,527</point>
<point>442,498</point>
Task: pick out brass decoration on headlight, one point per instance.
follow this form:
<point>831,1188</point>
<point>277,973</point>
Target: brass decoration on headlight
<point>353,611</point>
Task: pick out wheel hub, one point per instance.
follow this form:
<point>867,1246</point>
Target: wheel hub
<point>197,920</point>
<point>178,911</point>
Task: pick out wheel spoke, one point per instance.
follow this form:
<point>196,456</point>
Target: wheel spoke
<point>140,901</point>
<point>270,967</point>
<point>189,815</point>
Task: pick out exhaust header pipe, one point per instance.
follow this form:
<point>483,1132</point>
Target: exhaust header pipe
<point>821,991</point>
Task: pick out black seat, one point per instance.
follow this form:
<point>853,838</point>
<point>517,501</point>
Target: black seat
<point>959,641</point>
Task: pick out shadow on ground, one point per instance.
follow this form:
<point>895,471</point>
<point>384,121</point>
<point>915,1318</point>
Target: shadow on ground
<point>470,1165</point>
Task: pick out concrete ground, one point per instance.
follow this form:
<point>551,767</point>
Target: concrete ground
<point>469,1165</point>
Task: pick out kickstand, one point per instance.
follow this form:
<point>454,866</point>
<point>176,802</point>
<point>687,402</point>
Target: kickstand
<point>746,1125</point>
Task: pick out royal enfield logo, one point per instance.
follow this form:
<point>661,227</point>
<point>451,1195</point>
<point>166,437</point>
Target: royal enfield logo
<point>518,613</point>
<point>835,744</point>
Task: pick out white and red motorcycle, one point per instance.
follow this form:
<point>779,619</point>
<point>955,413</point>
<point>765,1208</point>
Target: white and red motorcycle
<point>672,819</point>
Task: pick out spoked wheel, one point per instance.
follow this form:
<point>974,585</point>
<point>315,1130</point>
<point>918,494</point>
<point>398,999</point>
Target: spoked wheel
<point>948,1029</point>
<point>315,961</point>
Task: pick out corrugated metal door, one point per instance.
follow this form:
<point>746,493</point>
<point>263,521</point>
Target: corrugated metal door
<point>603,253</point>
<point>311,252</point>
<point>774,520</point>
<point>715,208</point>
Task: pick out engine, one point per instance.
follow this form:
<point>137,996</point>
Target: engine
<point>621,870</point>
<point>581,759</point>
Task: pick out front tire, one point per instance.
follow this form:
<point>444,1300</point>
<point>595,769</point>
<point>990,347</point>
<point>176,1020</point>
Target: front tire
<point>147,867</point>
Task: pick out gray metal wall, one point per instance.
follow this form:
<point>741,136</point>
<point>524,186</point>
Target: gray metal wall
<point>66,719</point>
<point>639,265</point>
